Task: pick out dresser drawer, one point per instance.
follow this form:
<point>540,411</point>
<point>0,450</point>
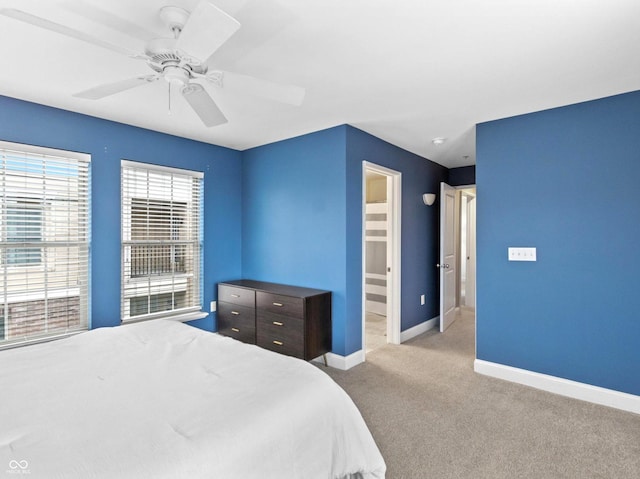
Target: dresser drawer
<point>280,333</point>
<point>241,296</point>
<point>237,321</point>
<point>278,325</point>
<point>290,349</point>
<point>280,304</point>
<point>246,335</point>
<point>281,345</point>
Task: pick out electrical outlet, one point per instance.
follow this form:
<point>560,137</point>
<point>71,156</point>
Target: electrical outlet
<point>422,299</point>
<point>213,306</point>
<point>522,254</point>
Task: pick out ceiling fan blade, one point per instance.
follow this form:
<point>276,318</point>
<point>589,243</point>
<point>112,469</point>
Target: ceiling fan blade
<point>62,29</point>
<point>203,105</point>
<point>233,7</point>
<point>104,17</point>
<point>206,30</point>
<point>116,87</point>
<point>245,84</point>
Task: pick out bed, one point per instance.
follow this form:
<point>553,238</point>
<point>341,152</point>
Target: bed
<point>161,399</point>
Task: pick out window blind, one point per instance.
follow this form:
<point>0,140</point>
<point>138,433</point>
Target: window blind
<point>161,241</point>
<point>44,242</point>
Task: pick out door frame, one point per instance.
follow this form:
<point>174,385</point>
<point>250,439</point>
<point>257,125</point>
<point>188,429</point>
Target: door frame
<point>394,202</point>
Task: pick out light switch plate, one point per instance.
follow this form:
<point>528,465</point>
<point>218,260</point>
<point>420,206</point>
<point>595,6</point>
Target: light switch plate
<point>522,254</point>
<point>213,306</point>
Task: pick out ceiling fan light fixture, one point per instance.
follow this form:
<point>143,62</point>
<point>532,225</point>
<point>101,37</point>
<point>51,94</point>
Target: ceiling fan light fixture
<point>176,75</point>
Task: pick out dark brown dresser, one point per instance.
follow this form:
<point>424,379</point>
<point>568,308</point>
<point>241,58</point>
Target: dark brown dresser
<point>287,319</point>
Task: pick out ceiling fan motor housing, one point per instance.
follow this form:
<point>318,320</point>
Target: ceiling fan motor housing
<point>164,58</point>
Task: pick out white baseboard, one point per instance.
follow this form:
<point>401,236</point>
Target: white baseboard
<point>564,387</point>
<point>342,362</point>
<point>347,362</point>
<point>417,330</point>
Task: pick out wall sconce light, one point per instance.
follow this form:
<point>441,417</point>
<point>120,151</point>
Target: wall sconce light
<point>429,198</point>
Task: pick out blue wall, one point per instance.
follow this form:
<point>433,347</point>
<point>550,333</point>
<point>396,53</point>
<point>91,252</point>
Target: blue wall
<point>420,227</point>
<point>565,181</point>
<point>294,218</point>
<point>108,142</point>
<point>302,222</point>
<point>289,212</point>
<point>462,176</point>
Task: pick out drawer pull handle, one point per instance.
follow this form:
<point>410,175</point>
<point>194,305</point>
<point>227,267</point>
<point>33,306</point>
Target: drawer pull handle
<point>280,305</point>
<point>235,330</point>
<point>278,343</point>
<point>278,323</point>
<point>235,295</point>
<point>235,313</point>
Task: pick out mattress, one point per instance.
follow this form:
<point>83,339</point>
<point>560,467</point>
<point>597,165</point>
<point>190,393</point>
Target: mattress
<point>161,399</point>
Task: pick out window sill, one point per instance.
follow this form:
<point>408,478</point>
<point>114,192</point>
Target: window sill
<point>183,318</point>
<point>39,340</point>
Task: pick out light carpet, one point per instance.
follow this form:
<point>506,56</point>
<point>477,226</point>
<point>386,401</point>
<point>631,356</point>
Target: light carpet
<point>432,416</point>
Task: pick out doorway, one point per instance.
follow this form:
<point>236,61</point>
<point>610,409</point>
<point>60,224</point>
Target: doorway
<point>467,281</point>
<point>457,254</point>
<point>381,201</point>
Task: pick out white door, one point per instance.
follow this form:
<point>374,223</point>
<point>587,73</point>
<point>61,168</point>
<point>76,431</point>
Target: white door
<point>470,295</point>
<point>448,258</point>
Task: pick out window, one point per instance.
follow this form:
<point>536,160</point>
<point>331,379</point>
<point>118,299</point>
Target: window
<point>44,243</point>
<point>24,225</point>
<point>161,242</point>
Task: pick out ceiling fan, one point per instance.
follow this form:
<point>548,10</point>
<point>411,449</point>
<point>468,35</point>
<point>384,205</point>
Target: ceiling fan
<point>180,59</point>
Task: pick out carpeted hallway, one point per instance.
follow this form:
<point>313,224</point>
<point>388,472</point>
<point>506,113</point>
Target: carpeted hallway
<point>433,417</point>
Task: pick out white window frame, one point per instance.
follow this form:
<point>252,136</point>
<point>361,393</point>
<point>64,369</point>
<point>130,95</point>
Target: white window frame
<point>63,271</point>
<point>163,281</point>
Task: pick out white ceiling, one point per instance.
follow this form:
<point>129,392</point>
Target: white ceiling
<point>406,71</point>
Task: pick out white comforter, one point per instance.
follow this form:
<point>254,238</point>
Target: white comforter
<point>161,399</point>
